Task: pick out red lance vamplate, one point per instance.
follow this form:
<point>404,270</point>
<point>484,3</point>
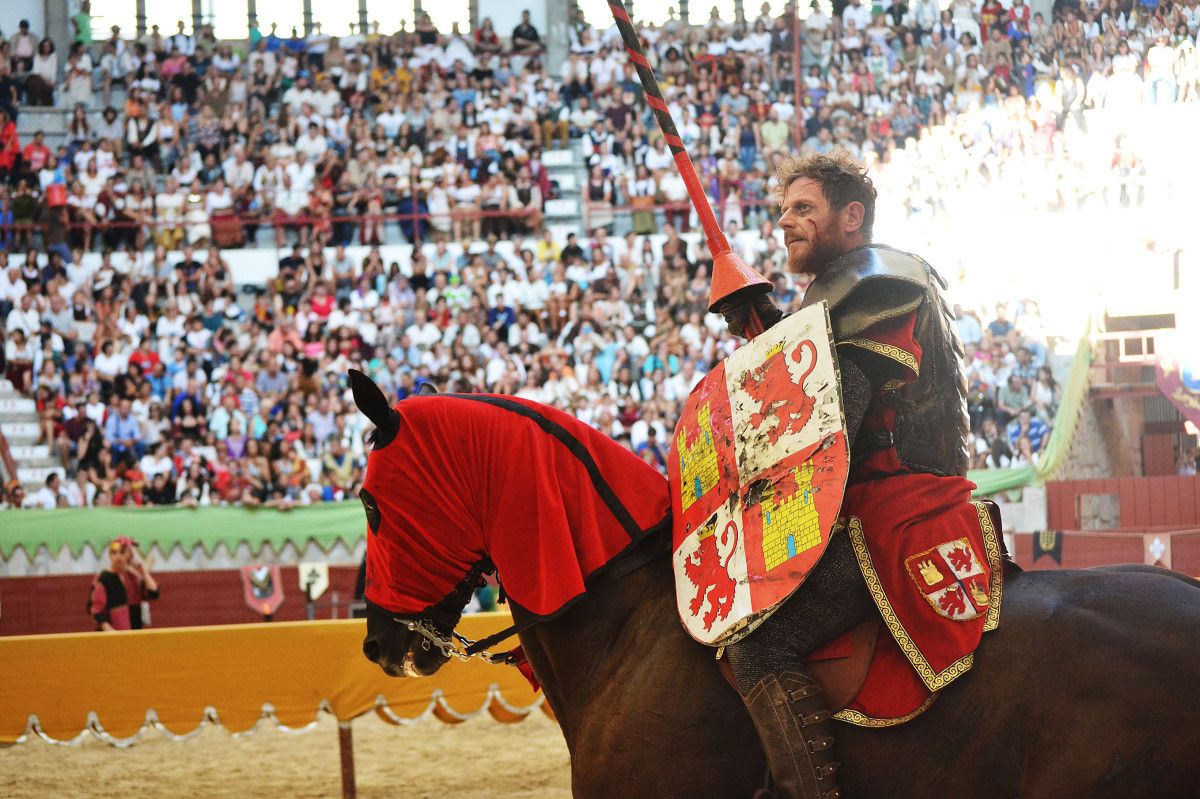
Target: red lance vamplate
<point>733,280</point>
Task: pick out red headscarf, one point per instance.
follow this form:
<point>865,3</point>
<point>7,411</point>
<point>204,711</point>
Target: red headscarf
<point>469,478</point>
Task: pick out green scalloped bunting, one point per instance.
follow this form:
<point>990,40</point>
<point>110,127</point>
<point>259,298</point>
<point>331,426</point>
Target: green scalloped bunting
<point>187,528</point>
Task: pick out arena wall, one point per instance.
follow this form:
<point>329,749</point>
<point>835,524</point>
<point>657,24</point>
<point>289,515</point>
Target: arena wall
<point>58,603</point>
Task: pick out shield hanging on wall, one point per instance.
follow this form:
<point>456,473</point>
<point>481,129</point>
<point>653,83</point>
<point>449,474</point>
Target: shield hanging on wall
<point>758,468</point>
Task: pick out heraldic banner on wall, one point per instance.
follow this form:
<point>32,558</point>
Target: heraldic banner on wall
<point>1177,373</point>
<point>758,468</point>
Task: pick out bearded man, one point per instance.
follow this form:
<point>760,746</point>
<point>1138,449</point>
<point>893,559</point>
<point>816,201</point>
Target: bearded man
<point>903,394</point>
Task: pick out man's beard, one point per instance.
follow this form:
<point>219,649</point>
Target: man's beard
<point>814,260</point>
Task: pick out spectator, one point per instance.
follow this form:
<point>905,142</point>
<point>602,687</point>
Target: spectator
<point>42,80</point>
<point>119,591</point>
<point>14,496</point>
<point>1011,399</point>
<point>429,130</point>
<point>525,37</point>
<point>1030,429</point>
<point>50,496</point>
<point>1045,394</point>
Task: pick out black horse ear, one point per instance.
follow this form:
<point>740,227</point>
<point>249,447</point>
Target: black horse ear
<point>426,389</point>
<point>374,405</point>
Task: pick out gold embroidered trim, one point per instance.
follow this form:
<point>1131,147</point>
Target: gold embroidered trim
<point>863,720</point>
<point>891,351</point>
<point>934,681</point>
<point>991,543</point>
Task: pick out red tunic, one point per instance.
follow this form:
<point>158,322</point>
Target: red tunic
<point>115,597</point>
<point>930,556</point>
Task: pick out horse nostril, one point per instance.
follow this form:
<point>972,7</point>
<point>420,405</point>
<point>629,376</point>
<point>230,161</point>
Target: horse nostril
<point>371,650</point>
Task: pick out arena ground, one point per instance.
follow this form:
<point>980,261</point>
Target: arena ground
<point>430,759</point>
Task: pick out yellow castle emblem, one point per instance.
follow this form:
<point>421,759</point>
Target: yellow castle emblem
<point>699,471</point>
<point>929,573</point>
<point>791,524</point>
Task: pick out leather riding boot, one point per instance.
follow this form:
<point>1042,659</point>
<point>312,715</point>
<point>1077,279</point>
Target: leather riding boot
<point>789,712</point>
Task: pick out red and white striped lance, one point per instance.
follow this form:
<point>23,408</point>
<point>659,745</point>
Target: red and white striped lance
<point>730,273</point>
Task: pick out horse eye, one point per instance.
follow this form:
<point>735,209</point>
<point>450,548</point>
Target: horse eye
<point>372,509</point>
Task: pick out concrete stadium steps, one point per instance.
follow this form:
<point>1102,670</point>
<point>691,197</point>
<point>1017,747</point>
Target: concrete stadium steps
<point>19,421</point>
<point>568,184</point>
<point>560,230</point>
<point>562,208</point>
<point>30,453</point>
<point>20,431</point>
<point>34,477</point>
<point>51,121</point>
<point>558,159</point>
<point>14,404</point>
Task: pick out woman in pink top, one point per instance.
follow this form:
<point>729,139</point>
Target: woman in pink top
<point>118,591</point>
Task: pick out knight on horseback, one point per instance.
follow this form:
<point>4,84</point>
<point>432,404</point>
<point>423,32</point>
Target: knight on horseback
<point>903,396</point>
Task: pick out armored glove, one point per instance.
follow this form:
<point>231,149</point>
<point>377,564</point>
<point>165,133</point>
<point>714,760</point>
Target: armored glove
<point>737,313</point>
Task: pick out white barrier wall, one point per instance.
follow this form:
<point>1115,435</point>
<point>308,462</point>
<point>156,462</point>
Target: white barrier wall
<point>254,267</point>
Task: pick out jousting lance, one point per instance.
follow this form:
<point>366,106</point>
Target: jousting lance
<point>733,280</point>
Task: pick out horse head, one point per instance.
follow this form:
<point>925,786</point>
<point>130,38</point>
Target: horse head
<point>405,627</point>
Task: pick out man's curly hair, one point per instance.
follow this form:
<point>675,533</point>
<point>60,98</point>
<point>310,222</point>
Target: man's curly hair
<point>842,179</point>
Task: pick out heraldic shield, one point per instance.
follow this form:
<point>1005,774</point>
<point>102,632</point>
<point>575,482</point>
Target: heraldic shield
<point>757,469</point>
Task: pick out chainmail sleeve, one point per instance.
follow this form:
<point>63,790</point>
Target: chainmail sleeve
<point>857,393</point>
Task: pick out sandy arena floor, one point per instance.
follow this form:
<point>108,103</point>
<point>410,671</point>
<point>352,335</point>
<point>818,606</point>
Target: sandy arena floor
<point>479,758</point>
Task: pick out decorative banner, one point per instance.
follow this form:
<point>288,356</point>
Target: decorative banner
<point>758,468</point>
<point>262,588</point>
<point>314,579</point>
<point>951,578</point>
<point>1048,543</point>
<point>1178,376</point>
<point>1156,549</point>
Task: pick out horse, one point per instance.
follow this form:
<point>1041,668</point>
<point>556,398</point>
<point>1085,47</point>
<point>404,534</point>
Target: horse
<point>1087,689</point>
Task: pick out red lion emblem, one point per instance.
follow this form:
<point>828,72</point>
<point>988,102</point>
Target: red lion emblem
<point>785,414</point>
<point>711,577</point>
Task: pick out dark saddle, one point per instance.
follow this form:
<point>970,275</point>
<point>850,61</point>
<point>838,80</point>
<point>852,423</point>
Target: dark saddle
<point>839,668</point>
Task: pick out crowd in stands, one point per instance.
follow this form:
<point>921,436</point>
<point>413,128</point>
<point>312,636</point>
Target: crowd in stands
<point>159,381</point>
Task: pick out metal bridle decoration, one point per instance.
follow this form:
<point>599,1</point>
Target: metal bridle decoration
<point>457,645</point>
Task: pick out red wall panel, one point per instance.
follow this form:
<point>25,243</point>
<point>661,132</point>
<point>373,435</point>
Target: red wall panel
<point>1146,502</point>
<point>1085,550</point>
<point>58,603</point>
<point>1158,454</point>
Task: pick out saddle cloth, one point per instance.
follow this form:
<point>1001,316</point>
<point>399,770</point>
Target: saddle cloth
<point>931,558</point>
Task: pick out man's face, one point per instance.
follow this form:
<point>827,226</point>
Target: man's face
<point>812,231</point>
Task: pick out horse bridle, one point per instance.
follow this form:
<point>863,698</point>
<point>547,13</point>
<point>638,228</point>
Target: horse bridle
<point>459,646</point>
<point>453,644</point>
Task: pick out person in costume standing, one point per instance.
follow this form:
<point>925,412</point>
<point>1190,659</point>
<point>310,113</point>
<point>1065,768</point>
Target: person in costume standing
<point>118,591</point>
<point>903,393</point>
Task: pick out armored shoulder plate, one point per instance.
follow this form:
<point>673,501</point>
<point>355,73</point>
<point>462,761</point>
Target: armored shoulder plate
<point>875,283</point>
<point>869,285</point>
